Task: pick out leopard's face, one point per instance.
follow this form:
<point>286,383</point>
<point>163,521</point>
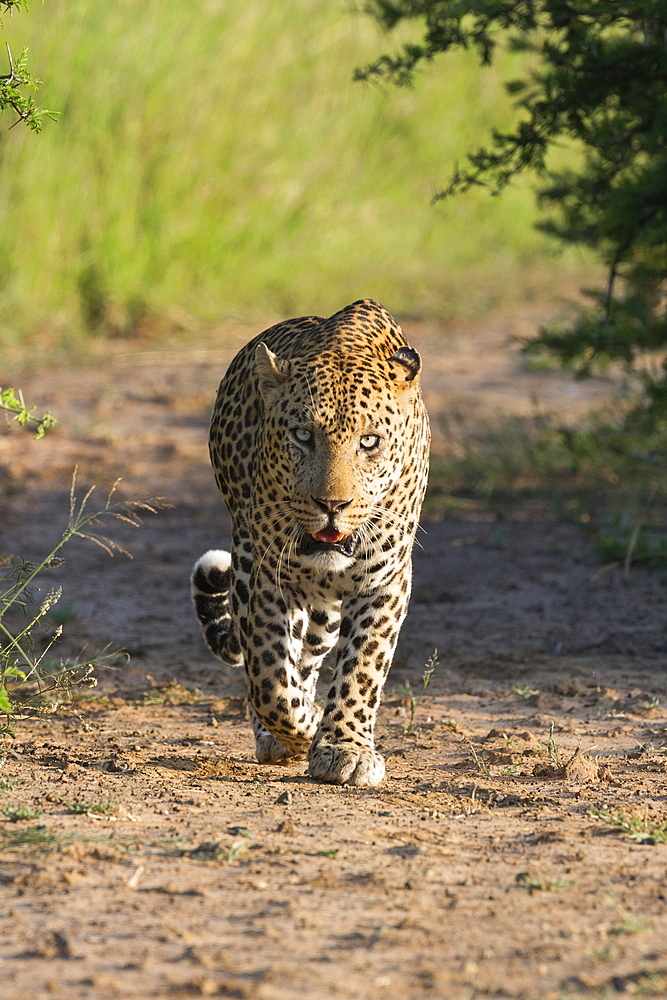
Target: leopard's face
<point>334,445</point>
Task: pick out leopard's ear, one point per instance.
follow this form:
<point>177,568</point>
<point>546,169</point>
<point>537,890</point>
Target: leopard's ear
<point>405,368</point>
<point>272,372</point>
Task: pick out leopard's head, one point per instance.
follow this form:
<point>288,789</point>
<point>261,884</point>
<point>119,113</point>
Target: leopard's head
<point>334,445</point>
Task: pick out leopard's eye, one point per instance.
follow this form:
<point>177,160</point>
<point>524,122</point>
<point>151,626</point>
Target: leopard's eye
<point>302,435</point>
<point>369,441</point>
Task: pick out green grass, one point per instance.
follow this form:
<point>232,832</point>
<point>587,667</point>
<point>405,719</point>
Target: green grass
<point>26,837</point>
<point>640,828</point>
<point>7,783</point>
<point>532,882</point>
<point>20,813</point>
<point>220,160</point>
<point>413,697</point>
<point>214,851</point>
<point>604,476</point>
<point>101,807</point>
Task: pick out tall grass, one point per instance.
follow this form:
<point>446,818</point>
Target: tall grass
<point>218,158</point>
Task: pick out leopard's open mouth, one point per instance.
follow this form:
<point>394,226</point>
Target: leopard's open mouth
<point>328,541</point>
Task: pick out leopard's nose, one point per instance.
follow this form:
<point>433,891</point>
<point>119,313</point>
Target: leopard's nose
<point>331,506</point>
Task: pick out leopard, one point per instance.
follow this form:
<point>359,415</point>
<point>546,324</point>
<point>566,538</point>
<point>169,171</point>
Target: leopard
<point>319,443</point>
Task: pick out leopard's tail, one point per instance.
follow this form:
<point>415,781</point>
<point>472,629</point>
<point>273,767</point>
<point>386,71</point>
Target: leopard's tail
<point>210,584</point>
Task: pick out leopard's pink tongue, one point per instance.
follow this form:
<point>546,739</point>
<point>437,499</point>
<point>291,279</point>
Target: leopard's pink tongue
<point>328,535</point>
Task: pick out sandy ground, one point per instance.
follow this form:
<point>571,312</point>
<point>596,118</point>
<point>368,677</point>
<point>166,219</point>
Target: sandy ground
<point>514,848</point>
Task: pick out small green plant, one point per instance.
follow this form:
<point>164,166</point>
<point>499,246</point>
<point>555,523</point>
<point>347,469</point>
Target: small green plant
<point>209,850</point>
<point>630,924</point>
<point>101,808</point>
<point>6,784</point>
<point>27,677</point>
<point>451,724</point>
<point>551,748</point>
<point>639,828</point>
<point>31,836</point>
<point>607,954</point>
<point>15,409</point>
<point>525,692</point>
<point>407,691</point>
<point>480,763</point>
<point>531,882</point>
<point>20,813</point>
<point>213,850</point>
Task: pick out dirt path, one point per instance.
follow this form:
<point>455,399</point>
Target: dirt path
<point>513,849</point>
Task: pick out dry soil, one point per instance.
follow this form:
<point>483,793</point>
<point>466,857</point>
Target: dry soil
<point>515,848</point>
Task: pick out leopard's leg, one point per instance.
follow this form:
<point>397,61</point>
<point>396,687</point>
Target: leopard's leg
<point>285,648</point>
<point>268,749</point>
<point>343,751</point>
<point>219,594</point>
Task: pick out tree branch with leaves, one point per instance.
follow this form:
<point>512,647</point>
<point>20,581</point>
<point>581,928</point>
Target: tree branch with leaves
<point>15,83</point>
<point>595,85</point>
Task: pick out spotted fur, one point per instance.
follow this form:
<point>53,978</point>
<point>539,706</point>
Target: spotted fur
<point>319,443</point>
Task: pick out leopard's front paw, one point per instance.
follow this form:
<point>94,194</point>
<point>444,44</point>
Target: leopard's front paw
<point>345,764</point>
<point>269,750</point>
